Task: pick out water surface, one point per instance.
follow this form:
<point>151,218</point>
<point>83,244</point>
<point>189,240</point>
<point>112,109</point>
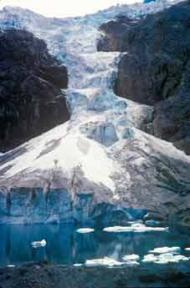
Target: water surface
<point>66,246</point>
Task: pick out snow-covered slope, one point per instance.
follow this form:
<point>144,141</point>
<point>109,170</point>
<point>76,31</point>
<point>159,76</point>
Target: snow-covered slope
<point>101,151</point>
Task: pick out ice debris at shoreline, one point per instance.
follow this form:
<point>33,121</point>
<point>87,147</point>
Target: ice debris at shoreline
<point>136,227</point>
<point>164,258</point>
<point>85,230</point>
<point>165,255</point>
<point>106,261</point>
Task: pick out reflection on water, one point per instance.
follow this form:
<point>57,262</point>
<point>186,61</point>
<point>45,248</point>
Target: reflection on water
<point>66,246</point>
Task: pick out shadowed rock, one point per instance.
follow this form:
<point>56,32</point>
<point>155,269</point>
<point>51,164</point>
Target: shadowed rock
<point>155,70</point>
<point>31,100</point>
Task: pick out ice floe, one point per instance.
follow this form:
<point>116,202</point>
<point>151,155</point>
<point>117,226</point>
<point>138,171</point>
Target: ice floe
<point>163,250</point>
<point>37,244</point>
<point>85,230</point>
<point>131,257</point>
<point>106,261</point>
<point>164,258</point>
<point>187,249</point>
<point>135,227</point>
<point>77,265</point>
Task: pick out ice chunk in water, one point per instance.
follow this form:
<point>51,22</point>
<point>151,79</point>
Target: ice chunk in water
<point>170,258</point>
<point>37,244</point>
<point>149,258</point>
<point>135,227</point>
<point>161,250</point>
<point>164,258</point>
<point>117,229</point>
<point>106,261</point>
<point>77,265</point>
<point>132,257</point>
<point>85,230</point>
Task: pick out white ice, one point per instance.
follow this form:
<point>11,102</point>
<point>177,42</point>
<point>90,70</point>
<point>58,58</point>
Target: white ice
<point>131,257</point>
<point>136,227</point>
<point>106,261</point>
<point>162,250</point>
<point>37,244</point>
<point>85,230</point>
<point>164,258</point>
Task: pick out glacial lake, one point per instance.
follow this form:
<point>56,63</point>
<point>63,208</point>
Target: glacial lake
<point>65,246</point>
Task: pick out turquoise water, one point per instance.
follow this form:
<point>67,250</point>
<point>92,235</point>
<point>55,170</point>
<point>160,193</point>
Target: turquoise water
<point>66,246</point>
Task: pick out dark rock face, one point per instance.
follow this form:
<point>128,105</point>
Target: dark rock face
<point>31,100</point>
<point>114,31</point>
<point>156,69</point>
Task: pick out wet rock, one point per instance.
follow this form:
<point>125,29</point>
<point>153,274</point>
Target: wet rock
<point>31,100</point>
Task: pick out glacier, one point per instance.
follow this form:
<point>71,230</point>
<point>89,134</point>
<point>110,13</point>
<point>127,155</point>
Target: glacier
<point>100,161</point>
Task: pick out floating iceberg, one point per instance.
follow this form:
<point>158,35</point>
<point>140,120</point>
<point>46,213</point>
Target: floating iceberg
<point>106,261</point>
<point>135,227</point>
<point>132,257</point>
<point>170,258</point>
<point>163,250</point>
<point>187,249</point>
<point>77,265</point>
<point>37,244</point>
<point>149,258</point>
<point>85,230</point>
<point>164,258</point>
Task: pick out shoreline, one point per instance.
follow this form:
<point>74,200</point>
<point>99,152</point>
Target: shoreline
<point>38,275</point>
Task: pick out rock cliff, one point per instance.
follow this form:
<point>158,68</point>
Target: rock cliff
<point>31,100</point>
<point>155,68</point>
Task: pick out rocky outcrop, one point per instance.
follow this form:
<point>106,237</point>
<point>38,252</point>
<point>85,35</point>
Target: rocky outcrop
<point>31,100</point>
<point>155,70</point>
